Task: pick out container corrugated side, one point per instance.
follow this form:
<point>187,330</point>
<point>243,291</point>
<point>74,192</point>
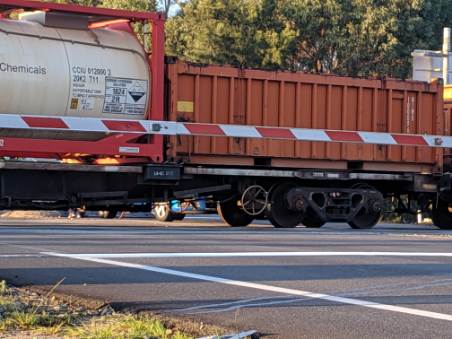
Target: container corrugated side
<point>218,94</point>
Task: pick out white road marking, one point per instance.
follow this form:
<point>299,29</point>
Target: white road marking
<point>262,287</point>
<point>261,254</point>
<point>269,301</point>
<point>21,256</point>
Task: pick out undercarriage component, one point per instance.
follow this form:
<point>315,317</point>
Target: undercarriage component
<point>442,214</point>
<point>254,200</point>
<point>442,206</point>
<point>371,211</point>
<point>111,213</point>
<point>408,218</point>
<point>283,212</point>
<point>312,220</point>
<point>232,214</point>
<point>162,212</point>
<point>368,216</point>
<point>359,207</point>
<point>196,192</point>
<point>162,173</point>
<point>178,216</point>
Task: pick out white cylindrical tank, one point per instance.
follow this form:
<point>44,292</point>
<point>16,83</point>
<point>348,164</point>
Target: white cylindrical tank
<point>430,65</point>
<point>71,72</point>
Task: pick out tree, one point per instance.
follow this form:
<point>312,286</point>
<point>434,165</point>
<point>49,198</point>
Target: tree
<point>347,37</point>
<point>136,5</point>
<point>319,28</point>
<point>356,37</point>
<point>237,32</point>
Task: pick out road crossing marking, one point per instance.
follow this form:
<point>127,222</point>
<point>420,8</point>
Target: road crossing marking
<point>261,254</point>
<point>262,287</point>
<point>21,255</point>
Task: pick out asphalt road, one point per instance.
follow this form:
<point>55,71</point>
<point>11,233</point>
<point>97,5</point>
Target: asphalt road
<point>390,282</point>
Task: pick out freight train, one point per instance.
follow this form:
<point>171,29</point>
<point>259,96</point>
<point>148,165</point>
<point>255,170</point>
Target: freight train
<point>89,118</point>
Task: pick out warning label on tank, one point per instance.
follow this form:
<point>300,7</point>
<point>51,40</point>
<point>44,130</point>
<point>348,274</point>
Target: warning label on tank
<point>125,96</point>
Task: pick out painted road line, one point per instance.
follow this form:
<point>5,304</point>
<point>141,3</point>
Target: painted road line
<point>21,256</point>
<point>260,254</point>
<point>262,287</point>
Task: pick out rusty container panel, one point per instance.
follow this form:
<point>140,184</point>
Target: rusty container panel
<point>448,124</point>
<point>217,94</point>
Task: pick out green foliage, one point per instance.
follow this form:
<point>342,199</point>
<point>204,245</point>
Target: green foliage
<point>21,312</point>
<point>31,319</point>
<point>346,37</point>
<point>350,37</point>
<point>136,5</point>
<point>23,320</point>
<point>242,33</point>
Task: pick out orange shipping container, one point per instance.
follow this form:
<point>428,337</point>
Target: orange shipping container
<point>448,124</point>
<point>218,94</point>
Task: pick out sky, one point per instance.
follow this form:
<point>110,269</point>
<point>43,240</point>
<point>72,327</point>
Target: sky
<point>173,10</point>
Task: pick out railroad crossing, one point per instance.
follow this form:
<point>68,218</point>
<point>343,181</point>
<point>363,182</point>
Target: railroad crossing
<point>391,281</point>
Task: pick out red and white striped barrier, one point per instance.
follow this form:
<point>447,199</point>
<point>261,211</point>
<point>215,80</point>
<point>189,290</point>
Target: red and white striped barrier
<point>108,126</point>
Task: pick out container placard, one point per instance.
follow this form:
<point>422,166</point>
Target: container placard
<point>125,96</point>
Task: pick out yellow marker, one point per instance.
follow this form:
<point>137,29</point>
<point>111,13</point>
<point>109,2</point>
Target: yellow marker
<point>185,106</point>
<point>447,93</point>
<point>74,103</point>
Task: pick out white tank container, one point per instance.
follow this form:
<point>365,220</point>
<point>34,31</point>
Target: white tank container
<point>68,72</point>
<point>427,65</point>
<point>430,65</point>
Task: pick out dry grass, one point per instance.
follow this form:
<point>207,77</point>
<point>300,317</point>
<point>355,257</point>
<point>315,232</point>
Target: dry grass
<point>30,315</point>
<point>124,326</point>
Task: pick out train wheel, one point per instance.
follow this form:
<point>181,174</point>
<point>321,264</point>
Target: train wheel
<point>232,215</point>
<point>108,214</point>
<point>162,212</point>
<point>279,215</point>
<point>407,218</point>
<point>367,217</point>
<point>442,215</point>
<point>311,220</point>
<point>111,213</point>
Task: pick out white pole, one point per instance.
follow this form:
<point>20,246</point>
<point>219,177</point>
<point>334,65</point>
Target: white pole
<point>446,51</point>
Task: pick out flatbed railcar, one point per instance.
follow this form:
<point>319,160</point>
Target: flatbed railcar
<point>91,120</point>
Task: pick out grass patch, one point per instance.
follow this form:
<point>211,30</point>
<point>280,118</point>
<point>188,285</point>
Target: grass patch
<point>125,326</point>
<point>28,314</point>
